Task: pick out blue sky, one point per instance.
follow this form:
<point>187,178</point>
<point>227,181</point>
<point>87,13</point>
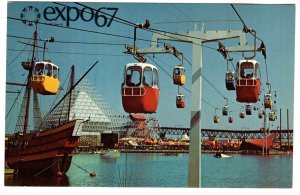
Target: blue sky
<point>275,24</point>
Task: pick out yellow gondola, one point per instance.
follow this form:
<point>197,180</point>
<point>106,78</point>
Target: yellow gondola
<point>268,101</point>
<point>216,119</point>
<point>179,75</point>
<point>45,78</point>
<point>216,116</point>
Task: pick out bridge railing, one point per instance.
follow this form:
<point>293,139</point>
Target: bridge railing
<point>233,134</point>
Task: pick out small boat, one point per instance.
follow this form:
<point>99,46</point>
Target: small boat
<point>111,154</point>
<point>220,155</point>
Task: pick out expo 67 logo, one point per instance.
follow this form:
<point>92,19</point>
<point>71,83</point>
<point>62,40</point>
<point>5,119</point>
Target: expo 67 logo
<point>102,17</point>
<point>30,15</point>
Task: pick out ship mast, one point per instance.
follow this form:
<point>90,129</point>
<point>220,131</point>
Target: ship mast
<point>71,85</point>
<point>28,89</point>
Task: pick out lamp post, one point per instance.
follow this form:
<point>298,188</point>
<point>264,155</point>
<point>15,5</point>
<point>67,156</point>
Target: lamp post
<point>51,39</point>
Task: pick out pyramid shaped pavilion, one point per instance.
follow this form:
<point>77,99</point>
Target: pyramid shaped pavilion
<point>86,104</point>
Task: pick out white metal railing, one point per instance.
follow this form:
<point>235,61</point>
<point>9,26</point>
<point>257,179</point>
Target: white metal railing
<point>198,25</point>
<point>132,91</point>
<point>37,78</point>
<point>246,82</point>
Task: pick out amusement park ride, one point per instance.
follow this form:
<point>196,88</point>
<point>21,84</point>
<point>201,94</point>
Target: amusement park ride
<point>140,89</point>
<point>246,81</point>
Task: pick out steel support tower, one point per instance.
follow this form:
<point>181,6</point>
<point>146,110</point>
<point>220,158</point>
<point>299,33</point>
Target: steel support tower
<point>197,38</point>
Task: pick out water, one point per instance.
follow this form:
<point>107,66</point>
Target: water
<point>157,170</point>
<point>250,171</point>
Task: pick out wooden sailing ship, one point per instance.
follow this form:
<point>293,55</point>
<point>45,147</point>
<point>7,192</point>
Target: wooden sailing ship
<point>45,151</point>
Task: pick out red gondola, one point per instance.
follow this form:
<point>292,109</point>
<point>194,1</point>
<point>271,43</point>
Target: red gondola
<point>248,81</point>
<point>180,101</point>
<point>140,91</point>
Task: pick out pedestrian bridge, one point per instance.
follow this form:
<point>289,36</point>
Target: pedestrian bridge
<point>233,134</point>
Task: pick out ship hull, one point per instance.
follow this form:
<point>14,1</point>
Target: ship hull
<point>258,144</point>
<point>47,152</point>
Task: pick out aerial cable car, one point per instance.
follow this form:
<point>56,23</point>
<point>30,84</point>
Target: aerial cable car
<point>230,79</point>
<point>216,117</point>
<point>230,119</point>
<point>180,101</point>
<point>248,109</point>
<point>242,114</point>
<point>268,100</point>
<point>248,81</point>
<point>272,116</point>
<point>140,90</point>
<point>45,78</point>
<point>225,108</point>
<point>260,114</point>
<point>179,75</point>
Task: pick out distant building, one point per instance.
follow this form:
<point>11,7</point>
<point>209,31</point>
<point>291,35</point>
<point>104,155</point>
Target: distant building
<point>88,105</point>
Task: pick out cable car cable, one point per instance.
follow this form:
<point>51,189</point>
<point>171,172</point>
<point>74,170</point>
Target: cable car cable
<point>243,21</point>
<point>71,42</point>
<point>267,72</point>
<point>116,35</point>
<point>16,99</point>
<point>165,71</point>
<point>181,12</point>
<point>182,86</point>
<point>18,55</point>
<point>210,82</point>
<point>72,53</point>
<point>131,23</point>
<point>126,22</point>
<point>83,30</point>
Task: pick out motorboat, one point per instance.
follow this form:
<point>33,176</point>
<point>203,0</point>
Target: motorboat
<point>111,154</point>
<point>220,155</point>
